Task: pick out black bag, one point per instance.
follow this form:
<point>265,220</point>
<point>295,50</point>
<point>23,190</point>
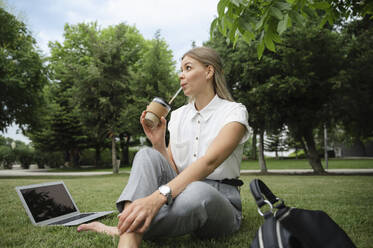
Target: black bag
<point>293,227</point>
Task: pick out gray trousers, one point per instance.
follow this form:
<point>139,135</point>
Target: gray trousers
<point>205,208</point>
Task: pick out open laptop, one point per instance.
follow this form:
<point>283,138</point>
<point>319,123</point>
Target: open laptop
<point>52,204</point>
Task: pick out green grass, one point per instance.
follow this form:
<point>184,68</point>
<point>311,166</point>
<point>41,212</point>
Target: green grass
<point>303,164</point>
<point>254,165</point>
<point>347,199</point>
<point>88,169</point>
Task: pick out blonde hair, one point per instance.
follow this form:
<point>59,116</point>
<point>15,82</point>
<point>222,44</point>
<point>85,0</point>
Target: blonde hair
<point>209,56</point>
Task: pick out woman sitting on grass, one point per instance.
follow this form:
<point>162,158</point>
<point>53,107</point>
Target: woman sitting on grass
<point>191,186</point>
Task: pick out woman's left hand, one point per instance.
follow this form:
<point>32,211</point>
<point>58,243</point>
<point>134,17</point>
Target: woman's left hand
<point>137,216</point>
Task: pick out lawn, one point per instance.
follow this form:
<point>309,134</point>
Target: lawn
<point>334,163</point>
<point>347,199</point>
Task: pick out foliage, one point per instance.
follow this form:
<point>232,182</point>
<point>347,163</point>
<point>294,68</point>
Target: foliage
<point>7,157</point>
<point>102,80</point>
<point>266,21</point>
<point>14,151</point>
<point>22,75</point>
<point>354,102</point>
<point>292,88</point>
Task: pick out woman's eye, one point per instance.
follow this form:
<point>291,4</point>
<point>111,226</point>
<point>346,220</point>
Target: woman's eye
<point>188,67</point>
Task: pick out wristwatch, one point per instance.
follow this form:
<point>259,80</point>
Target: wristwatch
<point>166,191</point>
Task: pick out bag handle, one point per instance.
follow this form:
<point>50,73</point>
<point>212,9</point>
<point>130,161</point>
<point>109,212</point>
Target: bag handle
<point>263,195</point>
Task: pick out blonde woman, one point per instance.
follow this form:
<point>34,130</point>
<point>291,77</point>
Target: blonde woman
<point>192,185</point>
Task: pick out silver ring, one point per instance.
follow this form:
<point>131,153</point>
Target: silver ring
<point>270,205</point>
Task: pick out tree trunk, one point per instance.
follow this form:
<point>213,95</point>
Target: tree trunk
<point>296,152</point>
<point>114,156</point>
<point>75,157</point>
<point>262,162</point>
<point>97,156</point>
<point>254,157</point>
<point>313,157</point>
<point>304,146</point>
<point>124,145</point>
<point>66,159</point>
<point>361,146</point>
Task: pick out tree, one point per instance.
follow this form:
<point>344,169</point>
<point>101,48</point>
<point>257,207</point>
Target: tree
<point>302,92</point>
<point>267,20</point>
<point>293,87</point>
<point>154,75</point>
<point>98,63</point>
<point>22,74</point>
<point>354,101</point>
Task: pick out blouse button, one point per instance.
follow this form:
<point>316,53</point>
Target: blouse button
<point>194,155</point>
<point>199,122</point>
<point>196,138</point>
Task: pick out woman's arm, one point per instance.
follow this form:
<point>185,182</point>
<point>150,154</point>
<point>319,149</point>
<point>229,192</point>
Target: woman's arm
<point>138,216</point>
<point>157,138</point>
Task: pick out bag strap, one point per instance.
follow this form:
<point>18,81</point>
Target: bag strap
<point>261,192</point>
<point>263,195</point>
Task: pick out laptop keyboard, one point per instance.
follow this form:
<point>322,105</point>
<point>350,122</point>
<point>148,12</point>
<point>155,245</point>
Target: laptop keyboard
<point>71,219</point>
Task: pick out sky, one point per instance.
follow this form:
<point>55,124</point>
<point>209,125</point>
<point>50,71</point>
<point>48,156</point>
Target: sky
<point>180,22</point>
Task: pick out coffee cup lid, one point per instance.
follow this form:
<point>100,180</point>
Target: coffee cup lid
<point>161,101</point>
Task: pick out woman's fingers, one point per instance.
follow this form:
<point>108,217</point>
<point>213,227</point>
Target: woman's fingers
<point>137,223</point>
<point>145,226</point>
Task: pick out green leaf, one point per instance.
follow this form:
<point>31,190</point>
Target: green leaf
<point>261,46</point>
<point>283,5</point>
<point>236,2</point>
<point>283,24</point>
<point>221,7</point>
<point>259,24</point>
<point>309,11</point>
<point>236,38</point>
<point>248,37</point>
<point>297,18</point>
<point>275,12</point>
<point>321,5</point>
<point>269,42</point>
<point>213,27</point>
<point>260,49</point>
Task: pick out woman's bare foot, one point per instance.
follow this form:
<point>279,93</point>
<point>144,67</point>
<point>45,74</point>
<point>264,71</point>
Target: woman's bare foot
<point>99,227</point>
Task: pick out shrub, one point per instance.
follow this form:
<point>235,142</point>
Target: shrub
<point>50,159</point>
<point>25,156</point>
<point>7,156</point>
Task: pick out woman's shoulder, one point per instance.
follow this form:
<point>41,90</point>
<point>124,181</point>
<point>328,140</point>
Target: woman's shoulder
<point>175,114</point>
<point>181,109</point>
<point>232,106</point>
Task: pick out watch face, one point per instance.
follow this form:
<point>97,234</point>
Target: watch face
<point>164,189</point>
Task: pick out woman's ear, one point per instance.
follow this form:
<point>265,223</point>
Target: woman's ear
<point>210,72</point>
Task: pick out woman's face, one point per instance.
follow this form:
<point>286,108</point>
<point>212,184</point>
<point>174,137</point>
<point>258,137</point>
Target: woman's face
<point>194,77</point>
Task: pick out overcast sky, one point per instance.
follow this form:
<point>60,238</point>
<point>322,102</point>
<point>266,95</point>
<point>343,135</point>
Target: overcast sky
<point>180,22</point>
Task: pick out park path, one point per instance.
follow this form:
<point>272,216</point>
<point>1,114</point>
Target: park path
<point>45,172</point>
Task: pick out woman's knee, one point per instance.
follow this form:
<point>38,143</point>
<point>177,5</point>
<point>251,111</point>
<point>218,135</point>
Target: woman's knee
<point>198,195</point>
<point>145,156</point>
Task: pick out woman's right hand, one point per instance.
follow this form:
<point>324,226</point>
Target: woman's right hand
<point>155,135</point>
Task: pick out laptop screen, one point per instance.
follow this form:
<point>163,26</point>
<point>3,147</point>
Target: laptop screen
<point>46,202</point>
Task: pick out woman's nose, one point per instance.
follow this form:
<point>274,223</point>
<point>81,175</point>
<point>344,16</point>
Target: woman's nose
<point>181,75</point>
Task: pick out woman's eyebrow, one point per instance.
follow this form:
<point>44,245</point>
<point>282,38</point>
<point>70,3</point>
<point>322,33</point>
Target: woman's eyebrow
<point>185,64</point>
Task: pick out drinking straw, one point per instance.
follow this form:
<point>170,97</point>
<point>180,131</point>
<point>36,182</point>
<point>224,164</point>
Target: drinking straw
<point>177,93</point>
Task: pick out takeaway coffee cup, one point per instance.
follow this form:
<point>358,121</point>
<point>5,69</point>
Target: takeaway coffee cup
<point>155,110</point>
